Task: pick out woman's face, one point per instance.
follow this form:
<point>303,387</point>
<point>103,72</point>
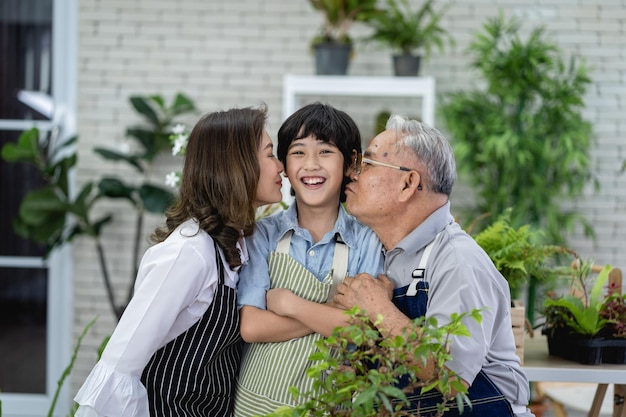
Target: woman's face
<point>270,181</point>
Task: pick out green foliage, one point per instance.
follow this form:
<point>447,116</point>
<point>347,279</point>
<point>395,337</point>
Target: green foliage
<point>68,370</point>
<point>357,370</point>
<point>52,215</point>
<point>406,30</point>
<point>580,315</point>
<point>339,16</point>
<point>522,139</point>
<point>519,253</point>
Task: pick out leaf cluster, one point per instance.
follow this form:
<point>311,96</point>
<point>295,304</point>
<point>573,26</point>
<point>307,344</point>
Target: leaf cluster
<point>522,138</point>
<point>357,371</point>
<point>582,315</point>
<point>51,214</point>
<point>519,253</point>
<point>339,16</point>
<point>406,30</point>
<point>613,310</point>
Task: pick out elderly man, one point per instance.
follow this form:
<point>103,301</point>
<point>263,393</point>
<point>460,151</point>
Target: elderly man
<point>401,187</point>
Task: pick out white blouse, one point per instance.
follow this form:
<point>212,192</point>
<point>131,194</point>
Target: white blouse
<point>175,285</point>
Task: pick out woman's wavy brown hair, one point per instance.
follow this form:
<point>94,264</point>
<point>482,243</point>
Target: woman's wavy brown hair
<point>219,179</point>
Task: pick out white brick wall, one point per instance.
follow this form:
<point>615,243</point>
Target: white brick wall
<point>235,53</point>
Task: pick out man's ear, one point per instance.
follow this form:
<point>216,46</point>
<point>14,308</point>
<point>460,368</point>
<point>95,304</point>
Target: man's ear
<point>412,180</point>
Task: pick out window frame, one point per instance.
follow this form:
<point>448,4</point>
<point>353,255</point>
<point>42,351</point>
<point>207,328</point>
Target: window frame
<point>60,262</point>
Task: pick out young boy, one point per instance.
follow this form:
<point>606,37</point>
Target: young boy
<point>301,254</point>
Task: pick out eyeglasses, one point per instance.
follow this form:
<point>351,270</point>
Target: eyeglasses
<point>359,161</point>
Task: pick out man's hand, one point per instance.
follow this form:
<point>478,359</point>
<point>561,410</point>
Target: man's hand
<point>364,291</point>
<point>373,296</point>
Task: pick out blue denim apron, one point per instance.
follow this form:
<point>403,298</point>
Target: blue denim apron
<point>486,398</point>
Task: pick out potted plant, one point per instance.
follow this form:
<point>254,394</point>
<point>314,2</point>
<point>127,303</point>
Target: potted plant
<point>357,371</point>
<point>587,325</point>
<point>407,31</point>
<point>333,45</point>
<point>520,253</point>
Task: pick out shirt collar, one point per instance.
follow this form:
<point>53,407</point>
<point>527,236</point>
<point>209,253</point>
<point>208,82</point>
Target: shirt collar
<point>290,217</point>
<point>423,234</point>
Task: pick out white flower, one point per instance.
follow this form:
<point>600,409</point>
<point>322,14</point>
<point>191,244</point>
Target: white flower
<point>179,129</point>
<point>172,179</point>
<point>180,144</point>
<point>179,139</point>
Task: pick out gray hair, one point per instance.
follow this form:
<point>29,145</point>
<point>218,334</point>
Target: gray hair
<point>431,148</point>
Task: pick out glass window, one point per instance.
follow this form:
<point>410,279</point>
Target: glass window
<point>26,330</point>
<point>23,340</point>
<point>25,54</point>
<point>16,179</point>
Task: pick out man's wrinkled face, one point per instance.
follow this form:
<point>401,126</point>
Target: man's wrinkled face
<point>372,193</point>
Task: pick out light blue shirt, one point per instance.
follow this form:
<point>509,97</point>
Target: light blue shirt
<point>365,251</point>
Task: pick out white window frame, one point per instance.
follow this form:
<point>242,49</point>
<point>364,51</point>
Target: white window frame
<point>59,264</point>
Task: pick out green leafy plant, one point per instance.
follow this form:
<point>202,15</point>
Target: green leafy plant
<point>581,315</point>
<point>339,16</point>
<point>406,30</point>
<point>521,253</point>
<point>522,139</point>
<point>357,371</point>
<point>53,215</point>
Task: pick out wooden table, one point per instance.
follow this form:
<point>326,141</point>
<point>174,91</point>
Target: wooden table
<point>540,366</point>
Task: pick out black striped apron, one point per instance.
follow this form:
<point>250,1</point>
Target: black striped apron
<point>194,374</point>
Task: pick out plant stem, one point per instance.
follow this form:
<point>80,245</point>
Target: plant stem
<point>107,280</point>
<point>68,369</point>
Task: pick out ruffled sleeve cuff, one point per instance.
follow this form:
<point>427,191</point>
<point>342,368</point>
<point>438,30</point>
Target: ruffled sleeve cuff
<point>108,393</point>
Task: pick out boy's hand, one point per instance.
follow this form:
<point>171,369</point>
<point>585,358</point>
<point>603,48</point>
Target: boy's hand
<point>280,301</point>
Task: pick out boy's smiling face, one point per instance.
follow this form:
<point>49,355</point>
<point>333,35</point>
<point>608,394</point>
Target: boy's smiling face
<point>315,171</point>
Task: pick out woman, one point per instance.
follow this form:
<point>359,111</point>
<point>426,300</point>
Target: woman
<point>176,349</point>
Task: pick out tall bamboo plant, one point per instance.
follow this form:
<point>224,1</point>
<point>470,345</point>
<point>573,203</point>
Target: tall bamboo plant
<point>53,215</point>
<point>522,140</point>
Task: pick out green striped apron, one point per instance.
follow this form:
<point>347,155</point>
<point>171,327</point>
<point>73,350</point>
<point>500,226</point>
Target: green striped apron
<point>269,369</point>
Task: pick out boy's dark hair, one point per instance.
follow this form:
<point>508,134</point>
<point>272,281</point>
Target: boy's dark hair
<point>327,124</point>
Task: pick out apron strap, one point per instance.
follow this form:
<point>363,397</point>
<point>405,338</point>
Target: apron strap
<point>340,265</point>
<point>283,244</point>
<point>340,259</point>
<point>419,273</point>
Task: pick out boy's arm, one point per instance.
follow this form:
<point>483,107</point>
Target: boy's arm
<point>258,325</point>
<point>320,318</point>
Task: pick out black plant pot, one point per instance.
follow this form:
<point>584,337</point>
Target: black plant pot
<point>574,347</point>
<point>332,58</point>
<point>406,65</point>
<point>589,351</point>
